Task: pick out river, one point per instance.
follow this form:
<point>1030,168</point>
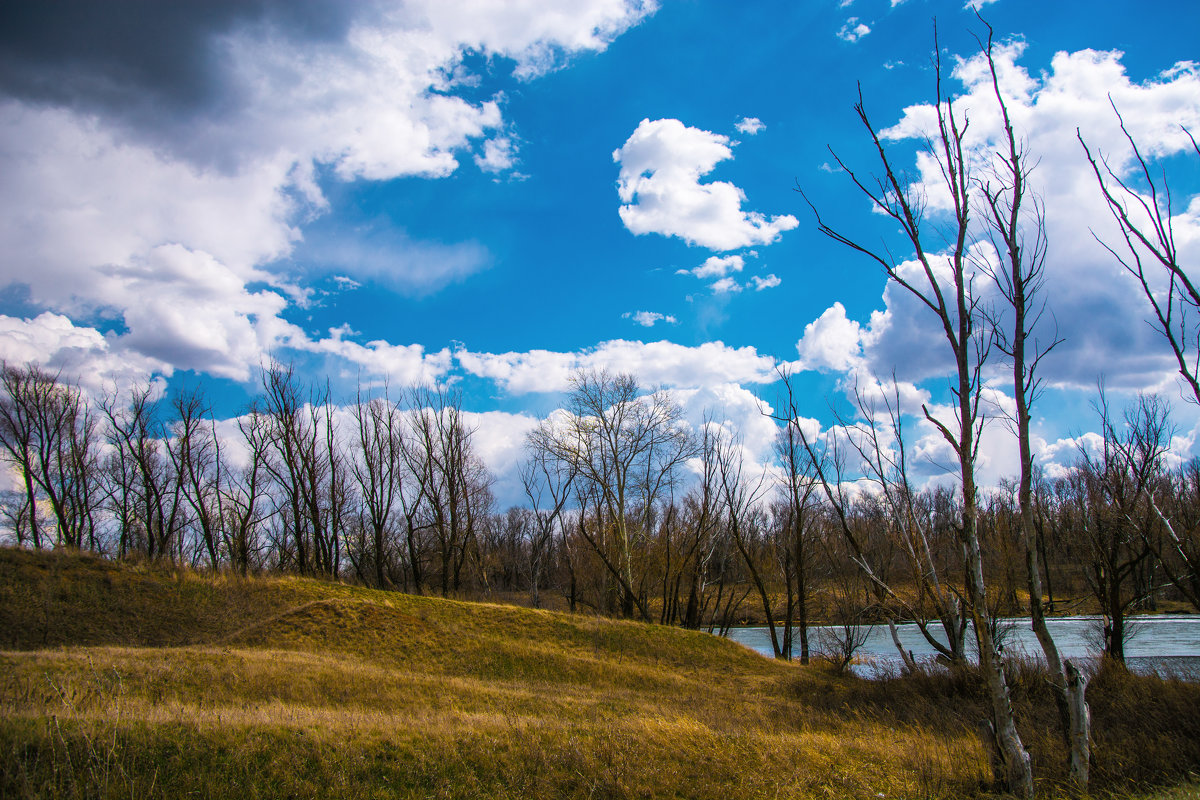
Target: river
<point>1166,643</point>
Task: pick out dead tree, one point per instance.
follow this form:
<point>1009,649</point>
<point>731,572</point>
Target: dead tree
<point>941,279</point>
<point>307,468</point>
<point>1016,229</point>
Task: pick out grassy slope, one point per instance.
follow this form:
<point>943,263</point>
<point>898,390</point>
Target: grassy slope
<point>136,682</point>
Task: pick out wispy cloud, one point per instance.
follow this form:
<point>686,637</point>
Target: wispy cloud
<point>648,319</point>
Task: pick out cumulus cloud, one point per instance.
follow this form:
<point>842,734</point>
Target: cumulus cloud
<point>79,353</point>
<point>1095,307</point>
<point>661,192</point>
<point>162,159</point>
<point>716,267</point>
<point>831,342</point>
<point>723,269</point>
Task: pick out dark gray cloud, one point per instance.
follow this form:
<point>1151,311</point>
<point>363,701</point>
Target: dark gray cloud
<point>141,59</point>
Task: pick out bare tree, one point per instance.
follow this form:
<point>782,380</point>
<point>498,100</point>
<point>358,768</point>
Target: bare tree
<point>378,470</point>
<point>741,512</point>
<point>306,466</point>
<point>943,282</point>
<point>48,434</point>
<point>849,604</point>
<point>195,453</point>
<point>799,523</point>
<point>911,520</point>
<point>1179,514</point>
<point>547,482</point>
<point>906,527</point>
<point>144,486</point>
<point>245,506</point>
<point>453,480</point>
<point>1016,229</point>
<point>700,538</point>
<point>19,437</point>
<point>1150,254</point>
<point>625,449</point>
<point>1115,517</point>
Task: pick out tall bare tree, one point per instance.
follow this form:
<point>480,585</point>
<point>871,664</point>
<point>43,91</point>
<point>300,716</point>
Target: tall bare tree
<point>195,453</point>
<point>245,504</point>
<point>797,549</point>
<point>307,467</point>
<point>1115,516</point>
<point>1016,228</point>
<point>943,282</point>
<point>547,482</point>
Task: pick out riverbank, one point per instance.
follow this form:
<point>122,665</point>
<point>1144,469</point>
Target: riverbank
<point>120,681</point>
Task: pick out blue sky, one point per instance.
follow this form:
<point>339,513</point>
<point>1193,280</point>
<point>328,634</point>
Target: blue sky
<point>433,190</point>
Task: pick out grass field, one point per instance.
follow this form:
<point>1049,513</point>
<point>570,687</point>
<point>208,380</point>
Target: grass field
<point>120,681</point>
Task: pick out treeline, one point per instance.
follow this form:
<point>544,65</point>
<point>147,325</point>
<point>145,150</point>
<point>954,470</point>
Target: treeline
<point>629,511</point>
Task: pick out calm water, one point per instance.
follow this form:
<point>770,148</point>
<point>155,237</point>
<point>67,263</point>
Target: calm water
<point>1167,643</point>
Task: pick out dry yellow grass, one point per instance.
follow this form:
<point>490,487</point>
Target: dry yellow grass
<point>174,684</point>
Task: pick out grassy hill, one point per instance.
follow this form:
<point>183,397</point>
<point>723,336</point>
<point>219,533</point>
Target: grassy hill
<point>121,681</point>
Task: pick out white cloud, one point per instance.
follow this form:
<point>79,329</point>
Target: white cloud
<point>647,319</point>
<point>653,362</point>
<point>499,440</point>
<point>79,354</point>
<point>716,267</point>
<point>1096,308</point>
<point>853,30</point>
<point>831,342</point>
<point>971,5</point>
<point>725,286</point>
<point>498,155</point>
<point>405,365</point>
<point>659,185</point>
<point>173,224</point>
<point>768,282</point>
<point>749,125</point>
